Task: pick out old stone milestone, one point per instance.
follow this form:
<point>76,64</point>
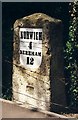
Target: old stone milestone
<point>38,78</point>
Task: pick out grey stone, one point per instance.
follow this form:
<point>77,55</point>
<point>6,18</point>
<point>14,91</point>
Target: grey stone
<point>45,86</point>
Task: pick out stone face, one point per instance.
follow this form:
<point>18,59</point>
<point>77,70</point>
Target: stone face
<point>45,85</point>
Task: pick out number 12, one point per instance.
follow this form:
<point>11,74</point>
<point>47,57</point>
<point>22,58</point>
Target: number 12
<point>30,61</point>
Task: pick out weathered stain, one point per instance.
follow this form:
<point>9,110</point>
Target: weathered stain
<point>38,84</point>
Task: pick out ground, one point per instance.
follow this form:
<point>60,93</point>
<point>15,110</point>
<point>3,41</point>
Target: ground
<point>71,115</point>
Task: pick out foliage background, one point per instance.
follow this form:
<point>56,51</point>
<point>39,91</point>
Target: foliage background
<point>71,56</point>
<point>68,13</point>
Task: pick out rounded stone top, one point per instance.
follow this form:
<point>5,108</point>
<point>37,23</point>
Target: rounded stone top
<point>34,17</point>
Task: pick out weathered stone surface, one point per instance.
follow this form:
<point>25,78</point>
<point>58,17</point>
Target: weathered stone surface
<point>45,85</point>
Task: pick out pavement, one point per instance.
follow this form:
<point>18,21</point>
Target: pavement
<point>9,109</point>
